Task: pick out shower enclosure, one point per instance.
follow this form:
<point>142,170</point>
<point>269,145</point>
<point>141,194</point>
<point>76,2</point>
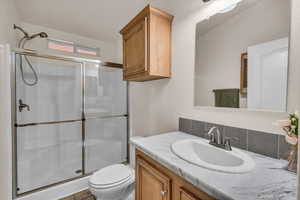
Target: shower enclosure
<point>70,124</point>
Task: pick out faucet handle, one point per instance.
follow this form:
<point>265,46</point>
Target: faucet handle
<point>227,142</point>
<point>23,105</point>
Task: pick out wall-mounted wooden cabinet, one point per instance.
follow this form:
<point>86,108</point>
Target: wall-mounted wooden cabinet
<point>155,182</point>
<point>147,45</point>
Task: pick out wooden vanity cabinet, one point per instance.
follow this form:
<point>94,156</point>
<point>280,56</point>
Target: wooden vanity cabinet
<point>183,195</point>
<point>155,182</point>
<point>151,183</point>
<point>147,45</point>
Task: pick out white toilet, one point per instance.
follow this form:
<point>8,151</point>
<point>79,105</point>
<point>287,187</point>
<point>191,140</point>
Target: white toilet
<point>115,182</point>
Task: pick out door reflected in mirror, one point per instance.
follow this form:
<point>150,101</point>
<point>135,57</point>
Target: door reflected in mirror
<point>242,57</point>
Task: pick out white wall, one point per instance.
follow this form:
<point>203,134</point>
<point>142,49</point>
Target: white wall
<point>156,105</point>
<point>5,124</point>
<point>108,50</point>
<point>8,16</point>
<point>294,67</point>
<point>218,50</point>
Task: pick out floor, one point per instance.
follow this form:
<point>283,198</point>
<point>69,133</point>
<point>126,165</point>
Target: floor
<point>83,195</point>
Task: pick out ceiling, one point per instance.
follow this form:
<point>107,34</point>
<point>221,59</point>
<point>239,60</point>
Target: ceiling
<point>205,26</point>
<point>97,19</point>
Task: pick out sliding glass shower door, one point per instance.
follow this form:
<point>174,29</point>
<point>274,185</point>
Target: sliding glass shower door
<point>70,124</point>
<point>106,120</point>
<point>48,154</point>
<point>49,122</point>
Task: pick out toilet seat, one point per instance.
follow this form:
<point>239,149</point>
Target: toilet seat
<point>111,176</point>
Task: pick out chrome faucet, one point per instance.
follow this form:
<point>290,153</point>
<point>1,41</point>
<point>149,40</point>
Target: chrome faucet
<point>216,139</point>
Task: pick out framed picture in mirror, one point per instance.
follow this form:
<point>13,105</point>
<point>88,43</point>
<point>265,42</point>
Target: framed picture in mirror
<point>244,70</point>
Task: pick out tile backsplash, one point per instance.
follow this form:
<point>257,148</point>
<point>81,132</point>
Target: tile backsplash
<point>267,144</point>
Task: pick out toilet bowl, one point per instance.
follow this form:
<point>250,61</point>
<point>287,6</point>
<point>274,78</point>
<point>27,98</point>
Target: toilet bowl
<point>115,182</point>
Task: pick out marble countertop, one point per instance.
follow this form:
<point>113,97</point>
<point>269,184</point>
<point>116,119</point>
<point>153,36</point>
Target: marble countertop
<point>268,181</point>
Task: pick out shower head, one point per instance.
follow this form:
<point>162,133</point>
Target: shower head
<point>21,44</point>
<point>30,37</point>
<point>41,35</point>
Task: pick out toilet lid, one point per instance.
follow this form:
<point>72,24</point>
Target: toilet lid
<point>111,175</point>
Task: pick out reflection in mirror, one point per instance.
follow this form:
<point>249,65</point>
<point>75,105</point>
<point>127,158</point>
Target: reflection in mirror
<point>242,57</point>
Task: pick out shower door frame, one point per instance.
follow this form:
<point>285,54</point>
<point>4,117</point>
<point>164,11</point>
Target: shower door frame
<point>82,62</point>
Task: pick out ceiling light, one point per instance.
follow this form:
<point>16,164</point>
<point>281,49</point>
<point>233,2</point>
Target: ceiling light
<point>205,1</point>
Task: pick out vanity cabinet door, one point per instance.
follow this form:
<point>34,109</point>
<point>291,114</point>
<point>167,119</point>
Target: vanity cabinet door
<point>151,184</point>
<point>184,195</point>
<point>184,191</point>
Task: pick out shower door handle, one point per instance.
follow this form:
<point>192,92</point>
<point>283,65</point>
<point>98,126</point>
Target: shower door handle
<point>23,105</point>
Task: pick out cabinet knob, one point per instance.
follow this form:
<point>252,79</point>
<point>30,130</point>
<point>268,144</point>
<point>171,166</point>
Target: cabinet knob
<point>163,193</point>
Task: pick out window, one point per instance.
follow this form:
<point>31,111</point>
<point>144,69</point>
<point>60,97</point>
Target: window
<point>71,47</point>
<point>60,46</point>
<point>87,50</point>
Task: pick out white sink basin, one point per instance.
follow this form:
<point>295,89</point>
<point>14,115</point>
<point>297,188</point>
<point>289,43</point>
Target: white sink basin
<point>202,154</point>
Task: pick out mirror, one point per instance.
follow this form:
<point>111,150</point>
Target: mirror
<point>242,57</point>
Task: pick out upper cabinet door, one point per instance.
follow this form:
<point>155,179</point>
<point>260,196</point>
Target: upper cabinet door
<point>147,45</point>
<point>135,49</point>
